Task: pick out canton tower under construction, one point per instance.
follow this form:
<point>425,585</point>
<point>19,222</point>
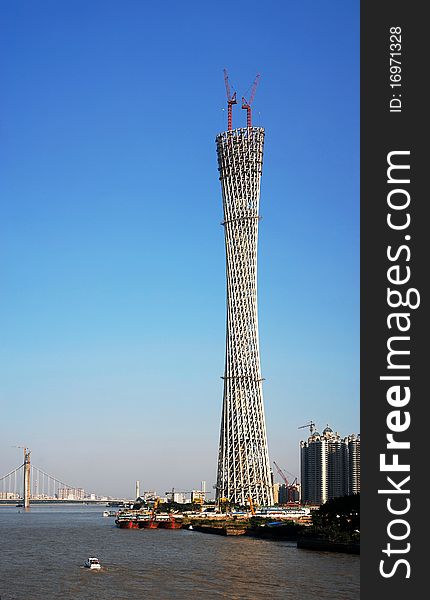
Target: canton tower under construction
<point>243,463</point>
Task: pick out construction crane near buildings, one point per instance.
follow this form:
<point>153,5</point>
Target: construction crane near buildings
<point>247,105</point>
<point>231,99</point>
<point>282,474</point>
<point>311,426</point>
<point>291,487</point>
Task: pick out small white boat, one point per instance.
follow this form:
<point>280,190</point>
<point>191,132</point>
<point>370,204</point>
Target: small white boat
<point>105,513</point>
<point>92,563</point>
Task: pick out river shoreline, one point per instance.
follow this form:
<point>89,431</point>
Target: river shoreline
<point>291,532</point>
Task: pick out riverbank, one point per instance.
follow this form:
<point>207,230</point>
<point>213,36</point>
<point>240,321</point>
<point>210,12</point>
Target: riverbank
<point>222,525</point>
<point>277,531</point>
<point>326,545</point>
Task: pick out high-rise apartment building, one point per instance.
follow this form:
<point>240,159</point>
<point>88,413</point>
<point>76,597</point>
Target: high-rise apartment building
<point>330,466</point>
<point>276,488</point>
<point>283,494</point>
<point>353,442</point>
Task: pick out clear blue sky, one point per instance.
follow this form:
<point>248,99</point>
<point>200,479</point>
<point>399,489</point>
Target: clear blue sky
<point>112,308</point>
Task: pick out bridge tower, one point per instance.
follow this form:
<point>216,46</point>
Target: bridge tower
<point>243,460</point>
<point>27,481</point>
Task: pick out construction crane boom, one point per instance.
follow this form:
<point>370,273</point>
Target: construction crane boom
<point>231,99</point>
<point>254,88</point>
<point>247,105</point>
<point>290,486</point>
<point>282,474</point>
<point>311,426</point>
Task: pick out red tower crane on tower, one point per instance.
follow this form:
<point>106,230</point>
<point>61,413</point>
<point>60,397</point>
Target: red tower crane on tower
<point>231,99</point>
<point>247,105</point>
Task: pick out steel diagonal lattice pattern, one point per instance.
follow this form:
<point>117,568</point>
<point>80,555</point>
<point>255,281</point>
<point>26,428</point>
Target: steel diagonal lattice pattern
<point>243,463</point>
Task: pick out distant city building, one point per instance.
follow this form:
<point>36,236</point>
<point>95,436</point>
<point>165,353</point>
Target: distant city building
<point>179,497</point>
<point>290,493</point>
<point>149,495</point>
<point>283,494</point>
<point>294,493</point>
<point>198,496</point>
<point>276,487</point>
<point>9,496</point>
<point>330,466</point>
<point>68,493</point>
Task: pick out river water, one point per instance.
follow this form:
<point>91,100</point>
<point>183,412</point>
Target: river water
<point>42,553</point>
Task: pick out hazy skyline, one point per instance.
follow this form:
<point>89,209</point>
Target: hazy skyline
<point>112,305</point>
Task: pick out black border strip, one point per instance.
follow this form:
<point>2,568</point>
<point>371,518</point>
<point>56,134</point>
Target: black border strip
<point>384,131</point>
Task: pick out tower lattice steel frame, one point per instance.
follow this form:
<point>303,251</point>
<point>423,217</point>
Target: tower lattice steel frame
<point>243,462</point>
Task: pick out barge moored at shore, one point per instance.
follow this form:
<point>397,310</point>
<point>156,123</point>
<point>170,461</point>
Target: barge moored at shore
<point>147,520</point>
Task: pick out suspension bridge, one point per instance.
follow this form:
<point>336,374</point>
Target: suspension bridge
<point>28,484</point>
